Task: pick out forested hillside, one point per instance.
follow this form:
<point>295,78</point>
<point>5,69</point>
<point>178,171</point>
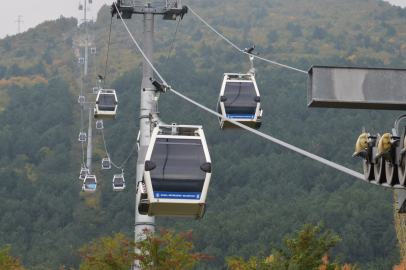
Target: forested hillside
<point>259,192</point>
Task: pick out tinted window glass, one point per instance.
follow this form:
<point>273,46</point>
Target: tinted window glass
<point>240,98</point>
<point>118,182</point>
<point>106,102</point>
<point>178,165</point>
<point>89,181</point>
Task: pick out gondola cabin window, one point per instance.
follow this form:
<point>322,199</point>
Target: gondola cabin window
<point>177,167</point>
<point>240,101</point>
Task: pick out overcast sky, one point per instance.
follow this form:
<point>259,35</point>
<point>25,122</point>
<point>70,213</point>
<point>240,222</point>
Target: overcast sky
<point>38,11</point>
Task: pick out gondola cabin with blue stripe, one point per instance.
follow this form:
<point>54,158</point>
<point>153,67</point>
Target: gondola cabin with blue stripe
<point>239,100</point>
<point>89,184</point>
<point>177,172</point>
<point>106,104</point>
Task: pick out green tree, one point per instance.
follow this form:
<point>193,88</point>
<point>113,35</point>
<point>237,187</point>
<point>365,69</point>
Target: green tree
<point>8,262</point>
<point>167,250</point>
<point>307,249</point>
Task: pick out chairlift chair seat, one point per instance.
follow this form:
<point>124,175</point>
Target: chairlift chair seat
<point>239,100</point>
<point>177,173</point>
<point>118,182</point>
<point>106,104</point>
<point>89,184</point>
<point>106,164</point>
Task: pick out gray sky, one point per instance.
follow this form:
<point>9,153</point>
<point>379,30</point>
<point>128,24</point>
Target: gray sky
<point>38,11</point>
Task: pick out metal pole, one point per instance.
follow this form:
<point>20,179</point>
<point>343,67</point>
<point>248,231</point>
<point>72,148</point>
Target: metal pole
<point>87,40</point>
<point>89,142</point>
<point>144,221</point>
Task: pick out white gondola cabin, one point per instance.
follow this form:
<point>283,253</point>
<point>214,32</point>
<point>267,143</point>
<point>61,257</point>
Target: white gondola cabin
<point>89,184</point>
<point>81,61</point>
<point>118,182</point>
<point>177,173</point>
<point>239,100</point>
<point>106,164</point>
<point>82,137</point>
<point>106,104</point>
<point>96,90</point>
<point>83,172</point>
<point>99,124</point>
<point>81,99</point>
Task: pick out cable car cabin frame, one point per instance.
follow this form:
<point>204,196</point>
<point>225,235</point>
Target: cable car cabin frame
<point>172,188</point>
<point>83,173</point>
<point>99,124</point>
<point>81,99</point>
<point>89,184</point>
<point>246,108</point>
<point>106,164</point>
<point>106,104</point>
<point>117,184</point>
<point>82,137</point>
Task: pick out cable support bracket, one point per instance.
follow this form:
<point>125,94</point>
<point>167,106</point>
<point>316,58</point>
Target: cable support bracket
<point>160,87</point>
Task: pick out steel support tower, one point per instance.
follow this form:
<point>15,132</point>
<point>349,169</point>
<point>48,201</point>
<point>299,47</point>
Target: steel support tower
<point>169,9</point>
<point>89,141</point>
<point>144,221</point>
<point>87,38</point>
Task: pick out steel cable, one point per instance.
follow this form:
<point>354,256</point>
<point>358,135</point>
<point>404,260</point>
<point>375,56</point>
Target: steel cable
<point>235,46</point>
<point>270,138</point>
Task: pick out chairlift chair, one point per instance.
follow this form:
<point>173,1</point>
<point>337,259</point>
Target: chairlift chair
<point>96,90</point>
<point>106,164</point>
<point>82,137</point>
<point>80,6</point>
<point>106,104</point>
<point>83,172</point>
<point>91,22</point>
<point>99,124</point>
<point>89,184</point>
<point>81,99</point>
<point>118,182</point>
<point>177,173</point>
<point>81,61</point>
<point>239,100</point>
<point>93,50</point>
<point>80,26</point>
<point>90,1</point>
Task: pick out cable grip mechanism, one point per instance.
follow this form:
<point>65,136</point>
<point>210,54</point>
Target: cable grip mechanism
<point>160,87</point>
